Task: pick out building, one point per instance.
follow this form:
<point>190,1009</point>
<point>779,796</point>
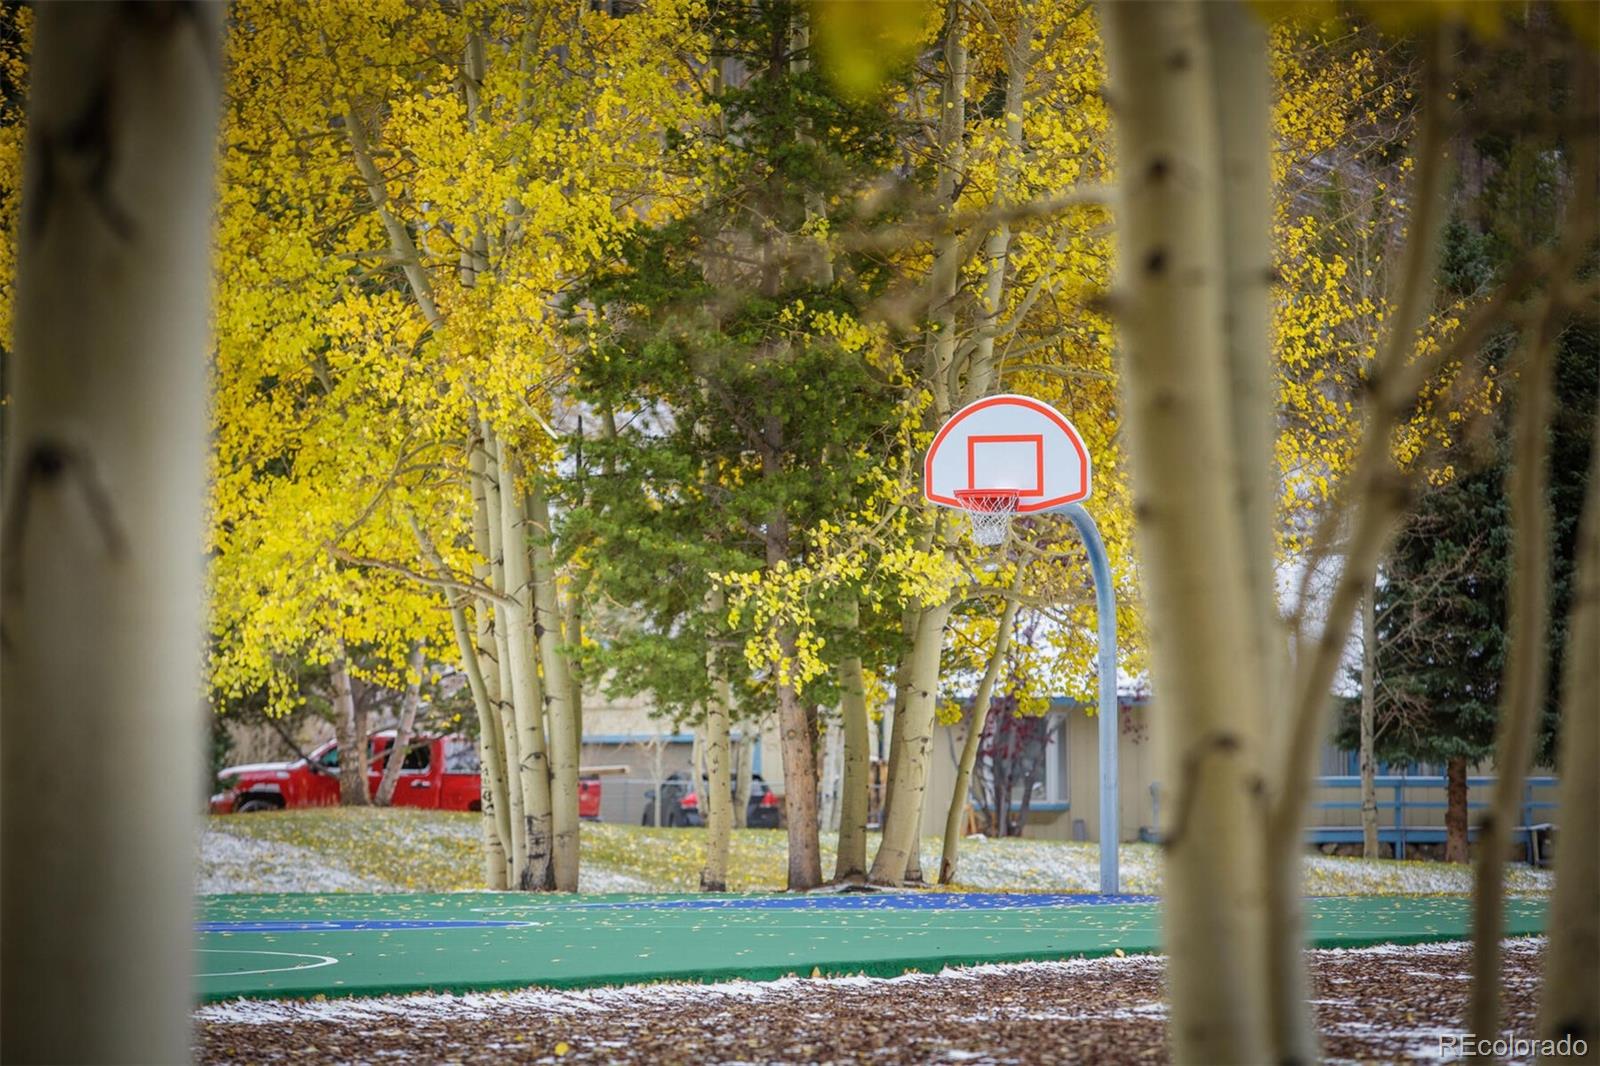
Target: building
<point>1065,804</point>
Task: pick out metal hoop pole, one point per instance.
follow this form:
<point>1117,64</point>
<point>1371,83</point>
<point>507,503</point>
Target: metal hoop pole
<point>1106,608</point>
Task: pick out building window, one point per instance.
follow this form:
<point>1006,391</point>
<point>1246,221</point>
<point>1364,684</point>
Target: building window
<point>1054,787</point>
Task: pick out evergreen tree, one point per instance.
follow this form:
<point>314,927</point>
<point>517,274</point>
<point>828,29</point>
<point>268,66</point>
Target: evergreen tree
<point>738,414</point>
<point>1442,603</point>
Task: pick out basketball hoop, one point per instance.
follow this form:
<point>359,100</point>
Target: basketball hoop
<point>990,511</point>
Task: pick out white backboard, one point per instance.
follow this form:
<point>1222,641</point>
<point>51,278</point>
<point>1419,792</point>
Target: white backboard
<point>1008,442</point>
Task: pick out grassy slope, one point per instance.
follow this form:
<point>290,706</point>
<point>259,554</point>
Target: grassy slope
<point>410,850</point>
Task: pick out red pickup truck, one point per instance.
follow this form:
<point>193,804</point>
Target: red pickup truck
<point>438,772</point>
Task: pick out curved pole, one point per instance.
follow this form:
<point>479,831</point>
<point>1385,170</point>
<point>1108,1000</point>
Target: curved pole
<point>1106,608</point>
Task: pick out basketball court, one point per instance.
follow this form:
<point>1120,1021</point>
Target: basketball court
<point>995,459</point>
<point>280,946</point>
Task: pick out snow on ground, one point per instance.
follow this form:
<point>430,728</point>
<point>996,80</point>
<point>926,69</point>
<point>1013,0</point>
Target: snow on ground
<point>592,878</point>
<point>634,997</point>
<point>629,998</point>
<point>231,863</point>
<point>400,850</point>
<point>1327,875</point>
<point>1040,865</point>
<point>1382,1004</point>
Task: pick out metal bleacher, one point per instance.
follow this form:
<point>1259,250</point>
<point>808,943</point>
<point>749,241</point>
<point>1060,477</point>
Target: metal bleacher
<point>1393,805</point>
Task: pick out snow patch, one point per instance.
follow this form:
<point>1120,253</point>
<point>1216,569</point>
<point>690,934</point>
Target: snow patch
<point>628,998</point>
<point>229,863</point>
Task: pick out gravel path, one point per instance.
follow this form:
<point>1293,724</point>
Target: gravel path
<point>1385,1004</point>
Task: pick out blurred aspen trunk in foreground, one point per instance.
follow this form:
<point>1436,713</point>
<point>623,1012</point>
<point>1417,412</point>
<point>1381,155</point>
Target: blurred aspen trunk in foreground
<point>103,536</point>
<point>1523,682</point>
<point>1187,476</point>
<point>1570,1003</point>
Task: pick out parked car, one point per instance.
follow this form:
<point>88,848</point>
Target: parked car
<point>673,812</point>
<point>681,807</point>
<point>436,772</point>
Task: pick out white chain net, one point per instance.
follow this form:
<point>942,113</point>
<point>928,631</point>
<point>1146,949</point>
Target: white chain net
<point>991,516</point>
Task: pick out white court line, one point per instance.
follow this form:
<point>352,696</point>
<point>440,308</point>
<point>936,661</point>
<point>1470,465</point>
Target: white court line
<point>326,960</point>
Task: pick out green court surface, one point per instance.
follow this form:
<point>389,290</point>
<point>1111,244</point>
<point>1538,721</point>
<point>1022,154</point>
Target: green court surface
<point>344,945</point>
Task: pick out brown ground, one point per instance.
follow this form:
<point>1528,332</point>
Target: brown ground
<point>1382,1005</point>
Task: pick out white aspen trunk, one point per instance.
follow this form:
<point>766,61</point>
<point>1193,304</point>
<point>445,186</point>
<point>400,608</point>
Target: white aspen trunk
<point>1242,105</point>
<point>516,769</point>
<point>572,632</point>
<point>518,785</point>
<point>716,799</point>
<point>1375,490</point>
<point>850,863</point>
<point>492,774</point>
<point>492,660</point>
<point>716,796</point>
<point>907,776</point>
<point>350,728</point>
<point>658,817</point>
<point>564,738</point>
<point>526,697</point>
<point>402,733</point>
<point>945,278</point>
<point>744,769</point>
<point>910,623</point>
<point>1369,714</point>
<point>1569,1003</point>
<point>835,784</point>
<point>493,799</point>
<point>401,246</point>
<point>101,546</point>
<point>997,248</point>
<point>1202,616</point>
<point>902,829</point>
<point>969,750</point>
<point>1528,655</point>
<point>494,852</point>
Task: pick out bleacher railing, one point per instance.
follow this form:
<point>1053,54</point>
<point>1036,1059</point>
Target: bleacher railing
<point>1392,799</point>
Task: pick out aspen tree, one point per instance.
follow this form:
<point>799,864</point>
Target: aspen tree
<point>1524,686</point>
<point>1243,121</point>
<point>978,717</point>
<point>744,750</point>
<point>897,857</point>
<point>559,705</point>
<point>1368,725</point>
<point>350,725</point>
<point>850,862</point>
<point>493,796</point>
<point>491,653</point>
<point>522,783</point>
<point>402,734</point>
<point>101,542</point>
<point>1523,690</point>
<point>1569,1002</point>
<point>521,657</point>
<point>1169,301</point>
<point>717,793</point>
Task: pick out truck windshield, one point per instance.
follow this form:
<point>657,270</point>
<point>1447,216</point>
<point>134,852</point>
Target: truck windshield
<point>417,757</point>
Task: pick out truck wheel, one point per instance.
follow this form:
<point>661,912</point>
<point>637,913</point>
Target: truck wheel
<point>255,803</point>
